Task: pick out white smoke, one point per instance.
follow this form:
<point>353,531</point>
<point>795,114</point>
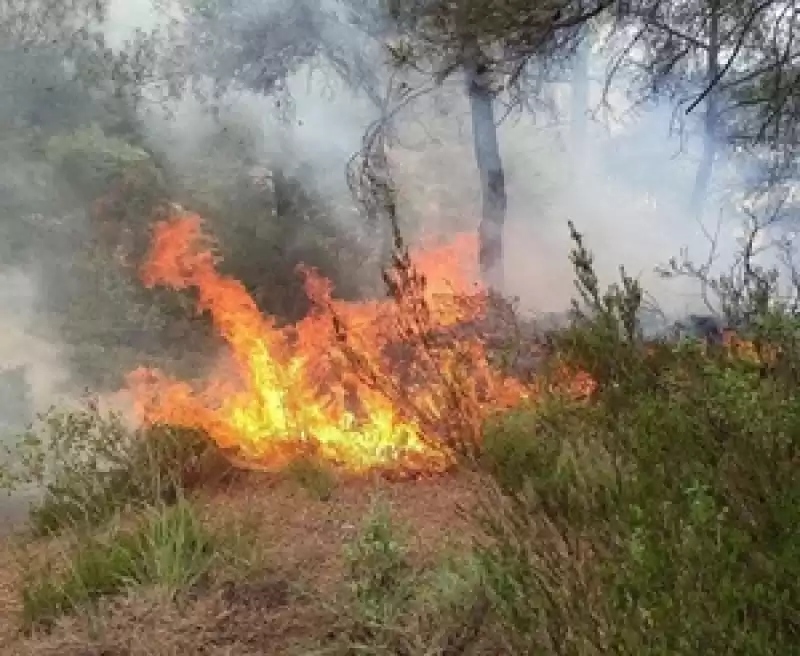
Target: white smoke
<point>625,188</point>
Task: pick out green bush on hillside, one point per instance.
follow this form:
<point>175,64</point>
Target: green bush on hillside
<point>394,607</point>
<point>661,516</point>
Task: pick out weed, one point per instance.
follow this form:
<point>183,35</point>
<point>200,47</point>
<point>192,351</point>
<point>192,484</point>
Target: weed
<point>378,572</point>
<point>396,608</point>
<point>167,547</point>
<point>314,476</point>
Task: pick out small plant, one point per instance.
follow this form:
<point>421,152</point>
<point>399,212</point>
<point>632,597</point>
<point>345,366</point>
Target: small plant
<point>89,465</point>
<point>379,575</point>
<point>168,547</point>
<point>314,476</point>
<point>661,516</point>
<point>397,609</point>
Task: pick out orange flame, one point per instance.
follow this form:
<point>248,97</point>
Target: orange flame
<point>281,391</point>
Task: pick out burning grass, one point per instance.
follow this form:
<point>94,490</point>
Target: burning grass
<point>364,385</point>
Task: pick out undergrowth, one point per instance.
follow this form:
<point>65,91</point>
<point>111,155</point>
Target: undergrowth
<point>87,465</point>
<point>389,606</point>
<point>659,517</point>
<point>166,547</point>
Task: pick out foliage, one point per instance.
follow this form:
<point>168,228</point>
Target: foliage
<point>378,570</point>
<point>90,465</point>
<point>271,43</point>
<point>451,33</point>
<point>167,547</point>
<point>674,40</point>
<point>90,159</point>
<point>659,517</point>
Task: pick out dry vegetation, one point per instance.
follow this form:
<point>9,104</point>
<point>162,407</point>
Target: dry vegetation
<point>294,559</point>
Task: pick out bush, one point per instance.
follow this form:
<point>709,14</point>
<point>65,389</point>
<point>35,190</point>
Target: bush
<point>91,159</point>
<point>660,516</point>
<point>313,475</point>
<point>90,466</point>
<point>167,547</point>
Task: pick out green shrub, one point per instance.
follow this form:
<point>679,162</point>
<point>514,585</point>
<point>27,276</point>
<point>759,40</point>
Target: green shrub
<point>544,508</point>
<point>90,158</point>
<point>661,516</point>
<point>555,447</point>
<point>168,547</point>
<point>709,517</point>
<point>90,465</point>
<point>378,573</point>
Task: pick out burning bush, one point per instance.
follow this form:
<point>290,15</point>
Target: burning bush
<point>373,384</point>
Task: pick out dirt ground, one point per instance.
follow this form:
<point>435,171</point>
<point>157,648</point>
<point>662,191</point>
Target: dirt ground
<point>289,604</point>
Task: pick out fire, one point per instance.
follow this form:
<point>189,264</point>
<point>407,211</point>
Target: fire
<point>280,391</point>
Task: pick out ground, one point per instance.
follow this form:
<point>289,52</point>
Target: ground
<point>288,604</point>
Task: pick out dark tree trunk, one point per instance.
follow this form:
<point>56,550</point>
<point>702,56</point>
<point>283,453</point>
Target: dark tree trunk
<point>705,170</point>
<point>384,230</point>
<point>580,98</point>
<point>492,178</point>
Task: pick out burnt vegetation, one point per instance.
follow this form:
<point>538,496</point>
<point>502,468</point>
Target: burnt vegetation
<point>643,498</point>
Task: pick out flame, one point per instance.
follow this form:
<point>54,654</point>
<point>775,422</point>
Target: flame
<point>284,390</point>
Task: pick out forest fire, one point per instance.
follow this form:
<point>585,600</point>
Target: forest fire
<point>328,385</point>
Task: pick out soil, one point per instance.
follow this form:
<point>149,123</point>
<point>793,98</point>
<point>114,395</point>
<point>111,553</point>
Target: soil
<point>281,609</point>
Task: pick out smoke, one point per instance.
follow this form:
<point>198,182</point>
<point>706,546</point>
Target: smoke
<point>23,351</point>
<point>624,180</point>
<point>623,183</point>
<point>624,189</point>
<point>624,186</point>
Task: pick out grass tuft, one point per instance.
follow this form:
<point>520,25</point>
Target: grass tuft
<point>90,465</point>
<point>167,547</point>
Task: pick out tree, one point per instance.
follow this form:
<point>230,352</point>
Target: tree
<point>733,59</point>
<point>248,45</point>
<point>492,45</point>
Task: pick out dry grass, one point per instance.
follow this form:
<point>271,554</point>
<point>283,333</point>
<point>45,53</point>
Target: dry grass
<point>281,607</point>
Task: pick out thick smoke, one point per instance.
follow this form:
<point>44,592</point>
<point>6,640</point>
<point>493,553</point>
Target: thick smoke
<point>34,372</point>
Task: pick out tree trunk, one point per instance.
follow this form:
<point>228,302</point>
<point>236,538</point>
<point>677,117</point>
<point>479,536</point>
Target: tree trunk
<point>580,99</point>
<point>705,170</point>
<point>492,178</point>
<point>384,230</point>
